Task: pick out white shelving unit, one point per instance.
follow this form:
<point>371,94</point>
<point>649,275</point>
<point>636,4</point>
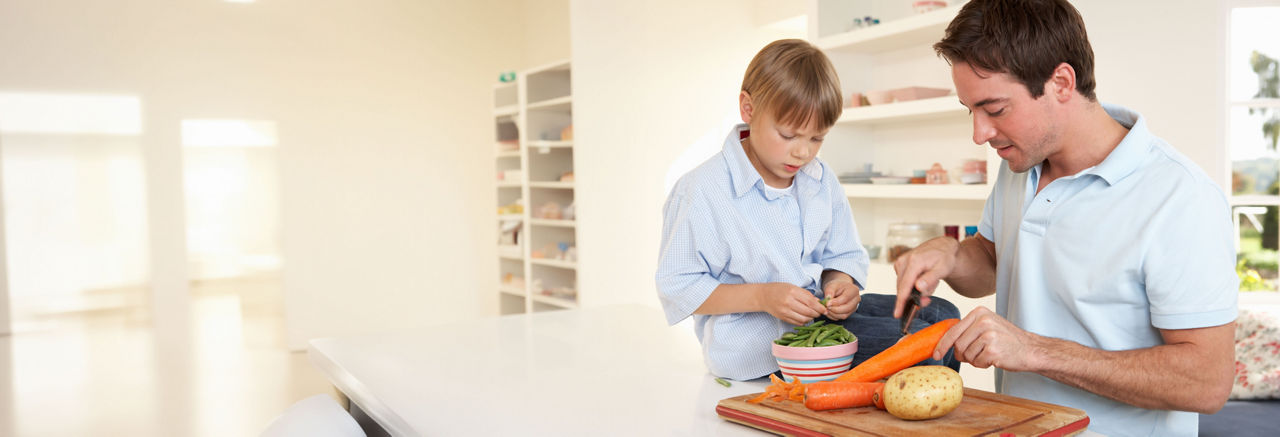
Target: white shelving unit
<point>897,138</point>
<point>537,271</point>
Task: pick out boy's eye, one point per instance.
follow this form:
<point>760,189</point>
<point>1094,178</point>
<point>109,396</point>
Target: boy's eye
<point>785,136</point>
<point>993,114</point>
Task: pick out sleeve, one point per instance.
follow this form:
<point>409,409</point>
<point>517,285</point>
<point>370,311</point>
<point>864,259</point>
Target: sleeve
<point>844,251</point>
<point>1189,270</point>
<point>684,278</point>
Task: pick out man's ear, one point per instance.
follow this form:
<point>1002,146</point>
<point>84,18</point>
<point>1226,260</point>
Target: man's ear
<point>745,107</point>
<point>1062,83</point>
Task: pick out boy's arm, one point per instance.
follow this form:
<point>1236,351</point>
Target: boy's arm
<point>787,302</point>
<point>843,252</point>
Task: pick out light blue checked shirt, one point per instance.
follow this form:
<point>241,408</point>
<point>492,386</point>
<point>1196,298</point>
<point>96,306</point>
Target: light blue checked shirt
<point>723,225</point>
<point>1107,257</point>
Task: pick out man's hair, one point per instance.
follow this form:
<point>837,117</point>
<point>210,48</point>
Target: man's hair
<point>1026,39</point>
<point>795,82</point>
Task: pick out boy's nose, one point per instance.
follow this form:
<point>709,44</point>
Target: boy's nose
<point>801,152</point>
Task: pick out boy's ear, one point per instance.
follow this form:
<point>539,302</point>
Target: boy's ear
<point>745,107</point>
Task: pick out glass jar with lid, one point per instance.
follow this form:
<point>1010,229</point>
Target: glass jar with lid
<point>906,236</point>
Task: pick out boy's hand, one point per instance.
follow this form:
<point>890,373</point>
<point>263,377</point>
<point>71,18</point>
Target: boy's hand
<point>842,298</point>
<point>790,303</point>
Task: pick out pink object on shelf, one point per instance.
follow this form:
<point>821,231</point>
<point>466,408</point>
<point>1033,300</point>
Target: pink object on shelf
<point>917,92</point>
<point>879,97</point>
<point>936,175</point>
<point>927,5</point>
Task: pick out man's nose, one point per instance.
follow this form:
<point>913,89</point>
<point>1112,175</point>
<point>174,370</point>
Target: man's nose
<point>983,131</point>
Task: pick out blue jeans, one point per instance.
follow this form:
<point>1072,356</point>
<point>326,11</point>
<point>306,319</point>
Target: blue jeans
<point>876,329</point>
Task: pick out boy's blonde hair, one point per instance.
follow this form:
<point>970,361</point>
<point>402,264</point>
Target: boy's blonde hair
<point>795,82</point>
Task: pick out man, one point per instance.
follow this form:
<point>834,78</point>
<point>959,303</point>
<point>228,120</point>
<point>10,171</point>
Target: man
<point>1109,252</point>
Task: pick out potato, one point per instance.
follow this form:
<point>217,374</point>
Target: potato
<point>923,392</point>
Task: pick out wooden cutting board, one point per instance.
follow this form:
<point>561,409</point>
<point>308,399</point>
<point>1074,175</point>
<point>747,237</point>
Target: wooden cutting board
<point>980,413</point>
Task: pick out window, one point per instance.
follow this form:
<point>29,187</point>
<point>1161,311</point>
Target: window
<point>1253,128</point>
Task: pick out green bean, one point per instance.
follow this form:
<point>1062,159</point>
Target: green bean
<point>723,382</point>
<point>828,342</point>
<point>822,335</point>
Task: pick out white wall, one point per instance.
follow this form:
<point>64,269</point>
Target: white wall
<point>546,32</point>
<point>1164,59</point>
<point>650,80</point>
<point>382,109</point>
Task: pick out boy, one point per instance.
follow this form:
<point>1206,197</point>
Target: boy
<point>733,227</point>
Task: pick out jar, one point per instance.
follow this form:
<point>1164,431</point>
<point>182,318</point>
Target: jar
<point>906,236</point>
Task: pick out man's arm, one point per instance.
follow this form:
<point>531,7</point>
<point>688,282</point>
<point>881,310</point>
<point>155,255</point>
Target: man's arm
<point>1192,371</point>
<point>969,267</point>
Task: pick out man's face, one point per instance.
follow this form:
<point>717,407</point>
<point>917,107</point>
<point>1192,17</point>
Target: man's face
<point>1006,117</point>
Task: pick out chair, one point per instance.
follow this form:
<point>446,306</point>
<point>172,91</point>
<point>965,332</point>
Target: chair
<point>316,416</point>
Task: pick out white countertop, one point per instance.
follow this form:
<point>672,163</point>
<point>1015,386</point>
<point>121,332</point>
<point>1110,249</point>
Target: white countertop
<point>617,370</point>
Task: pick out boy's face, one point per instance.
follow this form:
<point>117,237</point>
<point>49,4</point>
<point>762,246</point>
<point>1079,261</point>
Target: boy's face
<point>778,151</point>
<point>1005,116</point>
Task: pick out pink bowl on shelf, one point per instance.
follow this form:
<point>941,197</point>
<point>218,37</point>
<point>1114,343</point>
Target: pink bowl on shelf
<point>812,364</point>
<point>927,5</point>
<point>879,97</point>
<point>917,93</point>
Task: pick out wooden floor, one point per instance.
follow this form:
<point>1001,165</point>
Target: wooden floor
<point>106,372</point>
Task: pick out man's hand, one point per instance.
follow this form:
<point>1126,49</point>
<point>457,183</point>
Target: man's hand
<point>790,303</point>
<point>922,268</point>
<point>985,339</point>
<point>843,297</point>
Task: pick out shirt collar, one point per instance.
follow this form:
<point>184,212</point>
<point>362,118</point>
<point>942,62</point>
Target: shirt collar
<point>745,177</point>
<point>1128,155</point>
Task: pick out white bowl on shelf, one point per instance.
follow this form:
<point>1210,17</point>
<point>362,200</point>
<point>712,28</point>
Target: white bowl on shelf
<point>890,180</point>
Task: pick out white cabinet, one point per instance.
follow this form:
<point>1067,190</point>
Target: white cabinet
<point>899,138</point>
<point>537,233</point>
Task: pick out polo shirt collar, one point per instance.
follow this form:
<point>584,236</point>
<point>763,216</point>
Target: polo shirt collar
<point>1127,156</point>
<point>1132,150</point>
<point>745,177</point>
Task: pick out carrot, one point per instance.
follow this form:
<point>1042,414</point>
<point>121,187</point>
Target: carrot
<point>830,395</point>
<point>910,350</point>
<point>877,398</point>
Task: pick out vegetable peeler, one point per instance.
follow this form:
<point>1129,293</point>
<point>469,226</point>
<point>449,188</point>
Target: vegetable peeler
<point>909,311</point>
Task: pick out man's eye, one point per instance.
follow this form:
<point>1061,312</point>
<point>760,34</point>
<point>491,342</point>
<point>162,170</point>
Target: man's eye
<point>993,114</point>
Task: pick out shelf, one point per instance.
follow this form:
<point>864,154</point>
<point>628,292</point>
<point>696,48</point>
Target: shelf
<point>511,257</point>
<point>509,154</point>
<point>913,31</point>
<point>551,144</point>
<point>903,111</point>
<point>502,184</point>
<point>550,222</point>
<point>502,86</point>
<point>554,301</point>
<point>554,263</point>
<point>918,191</point>
<point>505,111</point>
<point>505,289</point>
<point>554,185</point>
<point>505,217</point>
<point>558,104</point>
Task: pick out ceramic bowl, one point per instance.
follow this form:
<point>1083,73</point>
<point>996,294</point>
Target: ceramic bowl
<point>812,364</point>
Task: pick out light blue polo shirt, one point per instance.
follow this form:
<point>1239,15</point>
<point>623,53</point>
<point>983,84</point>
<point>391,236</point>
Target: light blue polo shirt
<point>1105,257</point>
<point>722,225</point>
